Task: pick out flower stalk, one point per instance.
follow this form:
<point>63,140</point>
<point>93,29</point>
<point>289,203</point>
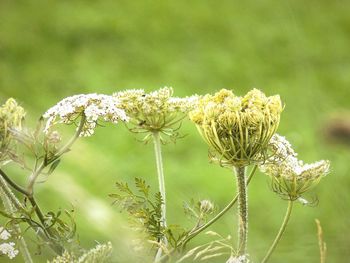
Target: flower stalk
<point>280,232</point>
<point>242,209</point>
<point>161,181</point>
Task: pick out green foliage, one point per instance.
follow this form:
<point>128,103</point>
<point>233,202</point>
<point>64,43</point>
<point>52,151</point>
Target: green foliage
<point>144,209</point>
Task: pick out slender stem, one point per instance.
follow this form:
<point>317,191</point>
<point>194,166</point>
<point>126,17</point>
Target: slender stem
<point>10,203</point>
<point>15,202</point>
<point>64,149</point>
<point>161,181</point>
<point>196,231</point>
<point>13,184</point>
<point>242,210</point>
<point>280,232</point>
<point>218,216</point>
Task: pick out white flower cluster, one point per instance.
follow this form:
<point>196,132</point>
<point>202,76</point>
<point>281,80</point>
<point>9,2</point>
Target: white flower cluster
<point>238,259</point>
<point>157,109</point>
<point>93,106</point>
<point>284,166</point>
<point>7,248</point>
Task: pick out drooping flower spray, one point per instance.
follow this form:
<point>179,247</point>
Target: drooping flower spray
<point>290,178</point>
<point>158,115</point>
<point>238,130</point>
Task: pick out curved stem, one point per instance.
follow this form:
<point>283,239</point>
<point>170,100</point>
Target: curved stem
<point>161,181</point>
<point>10,203</point>
<point>45,163</point>
<point>13,184</point>
<point>15,203</point>
<point>242,210</point>
<point>280,232</point>
<point>218,216</point>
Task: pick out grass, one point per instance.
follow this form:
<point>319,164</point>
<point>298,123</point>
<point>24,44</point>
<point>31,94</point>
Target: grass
<point>53,49</point>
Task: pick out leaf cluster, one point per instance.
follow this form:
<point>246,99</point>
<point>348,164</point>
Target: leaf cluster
<point>143,208</point>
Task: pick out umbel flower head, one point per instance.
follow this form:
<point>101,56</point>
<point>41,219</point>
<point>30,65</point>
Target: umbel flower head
<point>156,111</point>
<point>92,107</point>
<point>291,177</point>
<point>238,129</point>
<point>11,118</point>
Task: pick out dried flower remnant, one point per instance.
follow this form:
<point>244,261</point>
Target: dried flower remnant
<point>290,176</point>
<point>7,248</point>
<point>238,129</point>
<point>156,111</point>
<point>93,106</point>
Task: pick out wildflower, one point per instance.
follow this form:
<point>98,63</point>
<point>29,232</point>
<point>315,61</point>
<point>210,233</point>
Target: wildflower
<point>290,176</point>
<point>7,248</point>
<point>92,106</point>
<point>155,111</point>
<point>238,129</point>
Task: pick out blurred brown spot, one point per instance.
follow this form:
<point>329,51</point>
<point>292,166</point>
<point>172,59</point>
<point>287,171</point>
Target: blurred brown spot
<point>337,130</point>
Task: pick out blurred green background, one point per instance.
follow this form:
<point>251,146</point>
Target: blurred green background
<point>298,49</point>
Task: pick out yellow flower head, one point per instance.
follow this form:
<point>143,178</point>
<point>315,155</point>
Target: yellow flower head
<point>238,129</point>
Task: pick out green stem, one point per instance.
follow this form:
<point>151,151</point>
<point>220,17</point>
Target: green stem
<point>10,203</point>
<point>196,231</point>
<point>161,181</point>
<point>242,210</point>
<point>57,155</point>
<point>218,216</point>
<point>280,232</point>
<point>14,201</point>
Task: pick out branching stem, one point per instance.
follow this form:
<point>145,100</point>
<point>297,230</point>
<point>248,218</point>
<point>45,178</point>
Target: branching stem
<point>196,231</point>
<point>45,163</point>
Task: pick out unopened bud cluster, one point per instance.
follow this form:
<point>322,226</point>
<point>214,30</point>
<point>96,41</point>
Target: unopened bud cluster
<point>238,129</point>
